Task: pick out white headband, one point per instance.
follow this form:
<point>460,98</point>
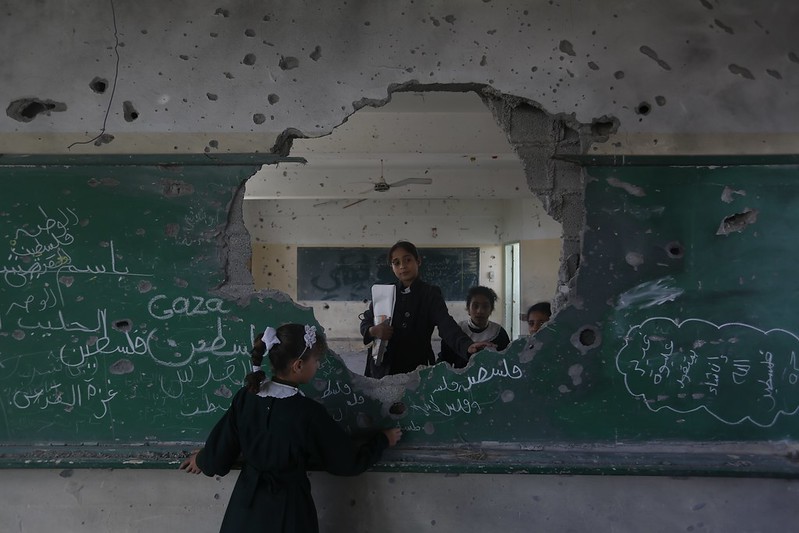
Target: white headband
<point>310,338</point>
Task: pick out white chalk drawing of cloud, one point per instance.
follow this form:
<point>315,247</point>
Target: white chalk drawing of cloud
<point>735,372</point>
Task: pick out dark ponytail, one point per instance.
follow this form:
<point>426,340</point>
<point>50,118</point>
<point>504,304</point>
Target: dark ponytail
<point>254,379</point>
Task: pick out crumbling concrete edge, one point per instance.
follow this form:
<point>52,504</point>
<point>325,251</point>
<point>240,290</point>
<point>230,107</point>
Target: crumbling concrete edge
<point>538,137</point>
<point>234,247</point>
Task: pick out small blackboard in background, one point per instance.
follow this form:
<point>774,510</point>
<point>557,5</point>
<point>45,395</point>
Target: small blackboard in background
<point>347,274</point>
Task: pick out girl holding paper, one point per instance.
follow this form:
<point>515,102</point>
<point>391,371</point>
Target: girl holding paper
<point>418,309</point>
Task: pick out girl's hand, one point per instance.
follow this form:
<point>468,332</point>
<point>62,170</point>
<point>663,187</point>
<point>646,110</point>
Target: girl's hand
<point>382,331</point>
<point>393,435</point>
<point>190,464</point>
<point>477,346</point>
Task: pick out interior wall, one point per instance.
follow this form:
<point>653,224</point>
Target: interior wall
<point>275,267</point>
<point>277,228</point>
<point>165,501</point>
<point>376,222</point>
<point>232,77</point>
<point>540,260</point>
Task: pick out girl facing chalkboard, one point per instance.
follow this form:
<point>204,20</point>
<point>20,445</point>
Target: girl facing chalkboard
<point>280,433</point>
<point>418,309</point>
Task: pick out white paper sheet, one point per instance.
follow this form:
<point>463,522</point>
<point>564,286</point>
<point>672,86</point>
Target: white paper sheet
<point>383,297</point>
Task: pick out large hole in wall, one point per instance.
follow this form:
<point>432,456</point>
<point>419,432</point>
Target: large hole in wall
<point>434,168</point>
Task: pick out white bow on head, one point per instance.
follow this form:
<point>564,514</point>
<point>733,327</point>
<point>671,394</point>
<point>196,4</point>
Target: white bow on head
<point>270,338</point>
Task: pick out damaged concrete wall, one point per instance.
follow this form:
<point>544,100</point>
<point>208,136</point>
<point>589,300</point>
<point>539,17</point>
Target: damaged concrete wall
<point>698,77</point>
<point>232,77</point>
<point>537,137</point>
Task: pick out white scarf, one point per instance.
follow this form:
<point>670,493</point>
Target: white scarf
<point>488,334</point>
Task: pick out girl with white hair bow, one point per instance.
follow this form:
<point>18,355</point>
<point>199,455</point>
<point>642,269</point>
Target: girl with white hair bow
<point>280,434</point>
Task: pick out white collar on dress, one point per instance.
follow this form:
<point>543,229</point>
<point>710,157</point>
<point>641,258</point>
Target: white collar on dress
<point>278,390</point>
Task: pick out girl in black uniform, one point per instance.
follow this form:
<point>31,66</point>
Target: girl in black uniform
<point>418,309</point>
<point>480,302</point>
<point>280,434</point>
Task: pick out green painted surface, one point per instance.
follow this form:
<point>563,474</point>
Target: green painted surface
<point>110,331</point>
<point>682,334</point>
<point>681,338</point>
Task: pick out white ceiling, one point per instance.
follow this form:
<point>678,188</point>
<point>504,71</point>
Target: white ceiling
<point>449,137</point>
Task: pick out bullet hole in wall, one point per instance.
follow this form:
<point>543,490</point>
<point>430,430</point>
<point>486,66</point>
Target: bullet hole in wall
<point>121,367</point>
<point>738,222</point>
<point>567,48</point>
<point>586,338</point>
<point>650,53</point>
<point>741,71</point>
<point>26,109</point>
<point>129,111</point>
<point>122,325</point>
<point>105,138</point>
<point>98,85</point>
<point>397,409</point>
<point>288,62</point>
<point>675,250</point>
<point>174,189</point>
<point>604,126</point>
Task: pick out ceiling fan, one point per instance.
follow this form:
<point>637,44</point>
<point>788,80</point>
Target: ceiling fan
<point>381,185</point>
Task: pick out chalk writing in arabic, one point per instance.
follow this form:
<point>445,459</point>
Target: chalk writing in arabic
<point>716,370</point>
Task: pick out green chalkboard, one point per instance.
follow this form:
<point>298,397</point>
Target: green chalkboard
<point>347,274</point>
<point>111,330</point>
<point>120,328</point>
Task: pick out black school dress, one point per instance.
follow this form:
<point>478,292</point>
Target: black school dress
<point>280,433</point>
<point>416,313</point>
